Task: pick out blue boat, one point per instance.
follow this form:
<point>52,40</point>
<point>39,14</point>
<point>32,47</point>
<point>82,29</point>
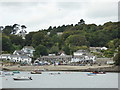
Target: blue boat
<point>91,74</point>
<point>16,72</point>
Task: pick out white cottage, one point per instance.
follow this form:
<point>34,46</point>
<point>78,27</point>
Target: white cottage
<point>28,50</point>
<point>16,58</point>
<point>83,56</point>
<point>5,57</point>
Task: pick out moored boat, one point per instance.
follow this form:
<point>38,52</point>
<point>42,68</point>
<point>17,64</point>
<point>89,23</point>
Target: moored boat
<point>16,72</point>
<point>54,73</point>
<point>36,72</point>
<point>91,74</point>
<point>99,72</point>
<point>8,74</point>
<point>22,78</point>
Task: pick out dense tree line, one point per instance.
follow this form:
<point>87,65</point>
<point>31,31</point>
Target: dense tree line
<point>73,37</point>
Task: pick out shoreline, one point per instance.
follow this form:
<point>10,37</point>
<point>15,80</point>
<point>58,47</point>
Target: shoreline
<point>106,68</point>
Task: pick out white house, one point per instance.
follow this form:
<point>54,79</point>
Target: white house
<point>5,56</point>
<point>18,52</point>
<point>28,50</point>
<point>97,49</point>
<point>59,33</point>
<point>104,48</point>
<point>80,52</point>
<point>16,58</point>
<point>83,56</point>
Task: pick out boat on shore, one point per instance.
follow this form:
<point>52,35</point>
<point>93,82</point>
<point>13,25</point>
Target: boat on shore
<point>22,78</point>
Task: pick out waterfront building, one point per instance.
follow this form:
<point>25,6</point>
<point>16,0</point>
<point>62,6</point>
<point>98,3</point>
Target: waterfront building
<point>62,59</point>
<point>26,50</point>
<point>15,58</point>
<point>83,56</point>
<point>5,56</point>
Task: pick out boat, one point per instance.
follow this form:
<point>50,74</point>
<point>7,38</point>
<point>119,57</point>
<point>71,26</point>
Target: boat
<point>91,74</point>
<point>16,72</point>
<point>22,78</point>
<point>99,72</point>
<point>54,73</point>
<point>8,74</point>
<point>36,72</point>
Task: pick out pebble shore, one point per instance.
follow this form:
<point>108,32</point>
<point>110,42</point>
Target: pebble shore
<point>107,68</point>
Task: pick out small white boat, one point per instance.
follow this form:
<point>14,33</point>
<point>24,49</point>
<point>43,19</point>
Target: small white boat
<point>22,78</point>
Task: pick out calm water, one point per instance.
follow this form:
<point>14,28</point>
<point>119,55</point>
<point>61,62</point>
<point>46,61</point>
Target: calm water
<point>63,80</point>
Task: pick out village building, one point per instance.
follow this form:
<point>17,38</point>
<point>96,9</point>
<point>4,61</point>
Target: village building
<point>5,56</point>
<point>15,58</point>
<point>83,56</point>
<point>58,59</point>
<point>59,33</point>
<point>27,50</point>
<point>23,55</point>
<point>97,49</point>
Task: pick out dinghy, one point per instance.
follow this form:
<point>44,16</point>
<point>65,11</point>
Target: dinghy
<point>91,74</point>
<point>36,72</point>
<point>16,72</point>
<point>22,78</point>
<point>8,74</point>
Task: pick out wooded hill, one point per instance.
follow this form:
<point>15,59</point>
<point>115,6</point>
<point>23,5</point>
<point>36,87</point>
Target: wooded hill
<point>67,38</point>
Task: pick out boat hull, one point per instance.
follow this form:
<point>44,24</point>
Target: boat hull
<point>22,78</point>
<point>36,72</point>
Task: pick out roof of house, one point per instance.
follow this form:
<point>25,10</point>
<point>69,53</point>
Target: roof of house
<point>21,56</point>
<point>81,51</point>
<point>19,52</point>
<point>5,55</point>
<point>95,47</point>
<point>29,47</point>
<point>65,56</point>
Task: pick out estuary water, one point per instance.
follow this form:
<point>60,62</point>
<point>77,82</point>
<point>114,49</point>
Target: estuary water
<point>62,80</point>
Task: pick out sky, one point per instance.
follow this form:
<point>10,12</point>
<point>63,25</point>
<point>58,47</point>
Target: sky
<point>40,14</point>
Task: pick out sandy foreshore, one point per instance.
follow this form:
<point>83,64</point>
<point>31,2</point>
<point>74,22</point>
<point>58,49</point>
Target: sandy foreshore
<point>108,68</point>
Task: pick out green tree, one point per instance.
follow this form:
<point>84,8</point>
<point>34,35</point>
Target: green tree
<point>28,38</point>
<point>17,40</point>
<point>117,58</point>
<point>7,30</point>
<point>15,28</point>
<point>76,40</point>
<point>54,49</point>
<point>40,50</point>
<point>38,38</point>
<point>66,49</point>
<point>6,44</point>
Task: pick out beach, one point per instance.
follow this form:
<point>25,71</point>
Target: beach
<point>108,68</point>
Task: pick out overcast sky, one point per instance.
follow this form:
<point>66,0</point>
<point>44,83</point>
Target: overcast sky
<point>40,14</point>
